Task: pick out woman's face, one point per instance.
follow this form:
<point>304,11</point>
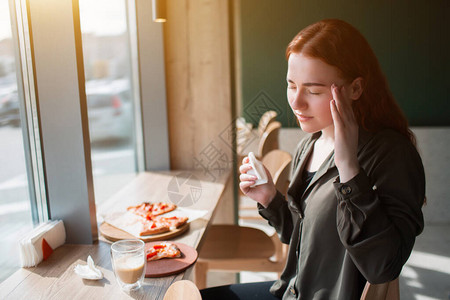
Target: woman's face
<point>309,92</point>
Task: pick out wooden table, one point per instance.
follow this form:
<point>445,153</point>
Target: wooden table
<point>55,279</point>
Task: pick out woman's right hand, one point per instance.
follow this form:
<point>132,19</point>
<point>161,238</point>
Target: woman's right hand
<point>263,193</point>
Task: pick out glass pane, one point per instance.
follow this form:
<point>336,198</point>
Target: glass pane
<point>107,63</point>
<point>15,210</point>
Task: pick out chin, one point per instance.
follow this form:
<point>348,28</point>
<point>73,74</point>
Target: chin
<point>308,129</point>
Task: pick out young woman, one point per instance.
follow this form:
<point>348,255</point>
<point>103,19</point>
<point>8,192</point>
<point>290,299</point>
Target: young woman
<point>353,207</point>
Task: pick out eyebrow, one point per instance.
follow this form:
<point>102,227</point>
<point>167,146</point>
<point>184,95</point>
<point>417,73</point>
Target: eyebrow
<point>313,84</point>
<point>309,83</point>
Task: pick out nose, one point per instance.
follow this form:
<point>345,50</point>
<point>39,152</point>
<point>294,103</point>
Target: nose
<point>298,101</point>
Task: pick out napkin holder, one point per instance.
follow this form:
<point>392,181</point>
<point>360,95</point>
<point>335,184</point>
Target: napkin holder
<point>39,244</point>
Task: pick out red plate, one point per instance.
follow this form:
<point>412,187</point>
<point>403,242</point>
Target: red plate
<point>170,266</point>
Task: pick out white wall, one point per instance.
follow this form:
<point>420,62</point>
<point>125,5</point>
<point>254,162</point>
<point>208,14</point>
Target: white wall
<point>434,144</point>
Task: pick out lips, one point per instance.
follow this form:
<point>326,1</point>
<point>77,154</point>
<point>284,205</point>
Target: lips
<point>302,118</point>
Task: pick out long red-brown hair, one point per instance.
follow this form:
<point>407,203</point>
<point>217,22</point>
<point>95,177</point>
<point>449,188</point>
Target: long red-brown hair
<point>339,44</point>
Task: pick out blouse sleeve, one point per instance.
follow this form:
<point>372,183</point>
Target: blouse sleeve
<point>279,217</point>
<point>379,210</point>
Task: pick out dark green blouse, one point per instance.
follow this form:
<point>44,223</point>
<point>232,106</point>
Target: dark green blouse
<point>341,235</point>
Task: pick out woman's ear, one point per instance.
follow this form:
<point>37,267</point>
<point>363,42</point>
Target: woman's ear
<point>356,88</point>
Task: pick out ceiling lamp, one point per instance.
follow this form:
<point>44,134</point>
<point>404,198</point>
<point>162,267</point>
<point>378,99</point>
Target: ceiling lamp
<point>159,10</point>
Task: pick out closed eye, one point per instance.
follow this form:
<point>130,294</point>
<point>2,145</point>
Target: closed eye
<point>313,92</point>
<point>314,88</point>
<point>291,86</point>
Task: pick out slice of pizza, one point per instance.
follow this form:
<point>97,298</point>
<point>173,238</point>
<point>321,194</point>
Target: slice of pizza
<point>163,250</point>
<point>150,227</point>
<point>144,209</point>
<point>173,222</point>
<point>148,209</point>
<point>160,208</point>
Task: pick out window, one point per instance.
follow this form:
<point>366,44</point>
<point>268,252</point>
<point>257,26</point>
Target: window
<point>110,95</point>
<point>49,101</point>
<point>15,205</point>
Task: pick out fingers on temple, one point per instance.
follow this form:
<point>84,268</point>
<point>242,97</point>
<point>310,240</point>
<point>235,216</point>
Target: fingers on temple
<point>335,114</point>
<point>343,107</point>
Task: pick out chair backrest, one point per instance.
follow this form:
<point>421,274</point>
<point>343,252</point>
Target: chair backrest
<point>269,139</point>
<point>182,289</point>
<point>278,163</point>
<point>384,291</point>
<point>243,133</point>
<point>265,120</point>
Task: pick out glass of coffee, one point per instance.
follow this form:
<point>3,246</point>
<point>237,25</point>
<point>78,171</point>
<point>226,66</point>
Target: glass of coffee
<point>128,261</point>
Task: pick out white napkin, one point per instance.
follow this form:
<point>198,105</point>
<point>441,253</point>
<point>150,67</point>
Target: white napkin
<point>257,170</point>
<point>88,271</point>
<point>40,242</point>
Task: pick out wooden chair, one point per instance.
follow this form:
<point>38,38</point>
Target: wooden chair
<point>183,289</point>
<point>269,139</point>
<point>244,129</point>
<point>267,117</point>
<point>384,291</point>
<point>237,248</point>
<point>278,163</point>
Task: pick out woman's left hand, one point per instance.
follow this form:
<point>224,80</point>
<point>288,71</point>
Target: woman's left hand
<point>345,134</point>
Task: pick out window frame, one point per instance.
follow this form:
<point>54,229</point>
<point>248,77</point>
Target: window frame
<point>28,112</point>
<point>152,88</point>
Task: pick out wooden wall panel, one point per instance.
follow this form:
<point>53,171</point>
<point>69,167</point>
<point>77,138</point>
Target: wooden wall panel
<point>198,78</point>
<point>179,104</point>
<point>197,52</point>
